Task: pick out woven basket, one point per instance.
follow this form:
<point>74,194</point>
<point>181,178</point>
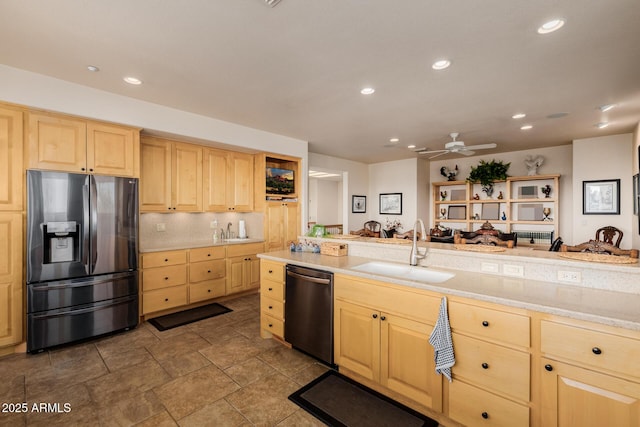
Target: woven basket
<point>333,249</point>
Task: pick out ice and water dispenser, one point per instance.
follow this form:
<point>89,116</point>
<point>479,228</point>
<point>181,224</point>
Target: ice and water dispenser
<point>61,241</point>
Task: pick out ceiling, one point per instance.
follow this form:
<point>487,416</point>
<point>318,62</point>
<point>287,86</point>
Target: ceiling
<point>297,69</point>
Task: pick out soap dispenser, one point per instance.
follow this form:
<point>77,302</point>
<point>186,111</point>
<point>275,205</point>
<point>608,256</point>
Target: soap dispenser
<point>216,236</point>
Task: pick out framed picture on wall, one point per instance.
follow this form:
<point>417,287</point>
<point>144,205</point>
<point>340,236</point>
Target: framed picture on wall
<point>601,197</point>
<point>391,203</point>
<point>636,193</point>
<point>358,204</point>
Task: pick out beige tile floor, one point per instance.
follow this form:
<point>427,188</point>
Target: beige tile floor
<point>216,372</point>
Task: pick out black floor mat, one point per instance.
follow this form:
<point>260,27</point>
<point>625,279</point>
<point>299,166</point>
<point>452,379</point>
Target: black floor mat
<point>169,321</point>
<point>339,401</point>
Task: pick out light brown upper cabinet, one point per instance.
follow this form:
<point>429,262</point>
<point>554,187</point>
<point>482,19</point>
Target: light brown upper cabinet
<point>170,177</point>
<point>69,144</point>
<point>228,181</point>
<point>10,159</point>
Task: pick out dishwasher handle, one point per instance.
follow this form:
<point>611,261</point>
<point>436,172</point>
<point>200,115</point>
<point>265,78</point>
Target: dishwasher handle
<point>309,278</point>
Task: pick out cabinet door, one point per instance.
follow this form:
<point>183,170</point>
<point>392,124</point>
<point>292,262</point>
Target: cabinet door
<point>235,274</point>
<point>407,360</point>
<point>10,160</point>
<point>241,182</point>
<point>186,177</point>
<point>10,278</point>
<point>215,180</point>
<point>573,396</point>
<point>291,223</point>
<point>357,339</point>
<point>282,224</point>
<point>112,150</point>
<point>253,272</point>
<point>155,176</point>
<point>57,143</point>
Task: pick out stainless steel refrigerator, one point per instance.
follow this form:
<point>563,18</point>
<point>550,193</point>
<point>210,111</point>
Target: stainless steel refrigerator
<point>82,257</point>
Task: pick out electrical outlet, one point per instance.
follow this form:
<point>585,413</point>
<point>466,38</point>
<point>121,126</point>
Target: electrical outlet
<point>489,267</point>
<point>161,227</point>
<point>569,276</point>
<point>513,270</point>
<point>213,225</point>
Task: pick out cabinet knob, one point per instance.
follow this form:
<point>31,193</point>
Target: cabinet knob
<point>596,350</point>
<point>270,307</point>
<point>90,170</point>
<point>375,316</point>
<point>270,271</point>
<point>82,169</point>
<point>485,366</point>
<point>209,290</point>
<point>166,260</point>
<point>485,415</point>
<point>548,368</point>
<point>166,278</point>
<point>169,207</point>
<point>383,317</point>
<point>166,299</point>
<point>485,323</point>
<point>270,325</point>
<point>270,289</point>
<point>174,208</point>
<point>208,271</point>
<point>208,254</point>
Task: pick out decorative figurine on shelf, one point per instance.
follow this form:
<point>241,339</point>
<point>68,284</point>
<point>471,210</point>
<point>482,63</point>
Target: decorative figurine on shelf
<point>476,217</point>
<point>443,213</point>
<point>500,196</point>
<point>448,173</point>
<point>476,197</point>
<point>504,216</point>
<point>533,163</point>
<point>443,196</point>
<point>546,190</point>
<point>546,212</point>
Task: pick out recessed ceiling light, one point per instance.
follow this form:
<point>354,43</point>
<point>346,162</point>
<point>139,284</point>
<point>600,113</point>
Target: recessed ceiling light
<point>132,80</point>
<point>367,91</point>
<point>602,125</point>
<point>441,64</point>
<point>605,108</point>
<point>526,127</point>
<point>411,146</point>
<point>93,68</point>
<point>519,116</point>
<point>551,26</point>
<point>394,140</point>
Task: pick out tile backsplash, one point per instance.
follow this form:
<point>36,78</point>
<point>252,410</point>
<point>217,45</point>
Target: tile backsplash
<point>192,228</point>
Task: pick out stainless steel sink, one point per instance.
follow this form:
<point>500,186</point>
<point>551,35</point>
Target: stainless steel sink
<point>401,271</point>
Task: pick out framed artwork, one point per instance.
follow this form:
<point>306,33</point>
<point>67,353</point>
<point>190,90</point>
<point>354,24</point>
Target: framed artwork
<point>358,204</point>
<point>391,203</point>
<point>601,197</point>
<point>457,212</point>
<point>490,211</point>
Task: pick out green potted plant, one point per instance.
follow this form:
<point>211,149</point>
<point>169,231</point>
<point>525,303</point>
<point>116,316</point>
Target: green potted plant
<point>486,173</point>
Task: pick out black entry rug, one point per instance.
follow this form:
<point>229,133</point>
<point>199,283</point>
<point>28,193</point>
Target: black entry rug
<point>339,401</point>
<point>174,320</point>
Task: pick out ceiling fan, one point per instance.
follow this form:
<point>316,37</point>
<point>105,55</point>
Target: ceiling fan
<point>456,146</point>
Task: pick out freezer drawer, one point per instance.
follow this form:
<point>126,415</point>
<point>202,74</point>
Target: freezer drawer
<point>72,292</point>
<point>62,326</point>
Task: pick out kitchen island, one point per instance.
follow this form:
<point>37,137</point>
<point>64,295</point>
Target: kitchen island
<point>525,347</point>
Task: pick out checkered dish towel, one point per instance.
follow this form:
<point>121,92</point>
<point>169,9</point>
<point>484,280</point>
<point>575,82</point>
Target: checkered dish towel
<point>442,343</point>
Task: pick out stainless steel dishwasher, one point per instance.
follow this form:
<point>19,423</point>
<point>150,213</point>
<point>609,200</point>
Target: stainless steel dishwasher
<point>308,311</point>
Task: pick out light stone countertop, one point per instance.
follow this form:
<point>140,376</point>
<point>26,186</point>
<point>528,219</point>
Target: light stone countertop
<point>199,244</point>
<point>609,307</point>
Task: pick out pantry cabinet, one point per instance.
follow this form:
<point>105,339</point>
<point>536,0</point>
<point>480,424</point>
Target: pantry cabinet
<point>228,181</point>
<point>281,219</point>
<point>70,144</point>
<point>171,176</point>
<point>11,310</point>
<point>11,170</point>
<point>382,335</point>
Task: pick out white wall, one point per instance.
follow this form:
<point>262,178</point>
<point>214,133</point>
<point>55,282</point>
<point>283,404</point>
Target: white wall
<point>605,158</point>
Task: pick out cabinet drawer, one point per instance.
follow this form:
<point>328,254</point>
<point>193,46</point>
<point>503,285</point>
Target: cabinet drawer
<point>273,325</point>
<point>206,290</point>
<point>272,289</point>
<point>163,277</point>
<point>163,299</point>
<point>272,307</point>
<point>159,259</point>
<point>206,270</point>
<point>596,349</point>
<point>245,249</point>
<point>206,254</point>
<point>472,406</point>
<point>272,270</point>
<point>492,367</point>
<point>486,323</point>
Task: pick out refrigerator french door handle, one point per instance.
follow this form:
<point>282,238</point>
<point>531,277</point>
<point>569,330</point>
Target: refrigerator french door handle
<point>93,217</point>
<point>85,226</point>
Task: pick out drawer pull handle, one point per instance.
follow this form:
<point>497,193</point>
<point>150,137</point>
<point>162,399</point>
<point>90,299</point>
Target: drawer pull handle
<point>383,317</point>
<point>166,278</point>
<point>208,271</point>
<point>375,316</point>
<point>209,290</point>
<point>485,366</point>
<point>270,271</point>
<point>208,254</point>
<point>485,323</point>
<point>596,350</point>
<point>270,289</point>
<point>485,415</point>
<point>270,307</point>
<point>166,299</point>
<point>548,368</point>
<point>166,260</point>
<point>270,325</point>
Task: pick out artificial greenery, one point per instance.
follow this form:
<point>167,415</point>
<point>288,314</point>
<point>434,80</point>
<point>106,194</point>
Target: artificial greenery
<point>486,173</point>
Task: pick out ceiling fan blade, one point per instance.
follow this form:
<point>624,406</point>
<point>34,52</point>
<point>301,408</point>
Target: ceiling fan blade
<point>467,152</point>
<point>481,146</point>
<point>438,155</point>
<point>425,151</point>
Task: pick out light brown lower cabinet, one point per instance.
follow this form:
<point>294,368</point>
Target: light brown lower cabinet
<point>243,267</point>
